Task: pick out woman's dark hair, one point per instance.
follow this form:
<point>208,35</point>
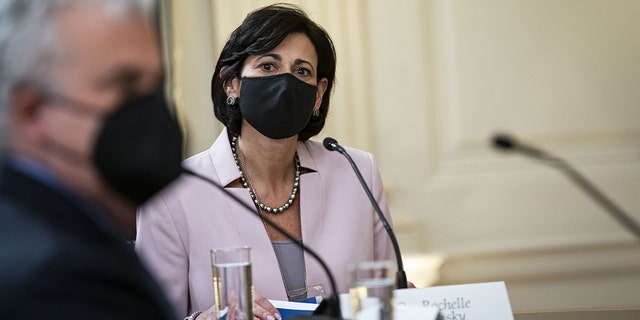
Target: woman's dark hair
<point>260,32</point>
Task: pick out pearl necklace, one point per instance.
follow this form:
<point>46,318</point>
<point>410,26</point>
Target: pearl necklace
<point>244,177</point>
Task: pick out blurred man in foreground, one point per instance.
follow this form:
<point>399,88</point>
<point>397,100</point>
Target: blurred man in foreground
<point>85,137</point>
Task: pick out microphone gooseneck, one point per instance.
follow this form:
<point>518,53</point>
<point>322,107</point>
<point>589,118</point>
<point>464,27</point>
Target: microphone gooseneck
<point>507,143</point>
<point>330,306</point>
<point>401,278</point>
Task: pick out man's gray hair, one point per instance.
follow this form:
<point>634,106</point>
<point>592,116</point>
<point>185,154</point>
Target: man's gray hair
<point>29,45</point>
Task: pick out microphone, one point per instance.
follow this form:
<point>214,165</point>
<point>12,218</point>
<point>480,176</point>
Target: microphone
<point>401,278</point>
<point>506,143</point>
<point>328,308</point>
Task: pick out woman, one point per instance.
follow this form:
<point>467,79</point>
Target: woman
<point>271,89</point>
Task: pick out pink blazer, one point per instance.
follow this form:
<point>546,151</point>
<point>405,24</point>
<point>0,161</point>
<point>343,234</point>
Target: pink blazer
<point>178,228</point>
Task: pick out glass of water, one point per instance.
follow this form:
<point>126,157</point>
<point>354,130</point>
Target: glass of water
<point>371,285</point>
<point>232,283</point>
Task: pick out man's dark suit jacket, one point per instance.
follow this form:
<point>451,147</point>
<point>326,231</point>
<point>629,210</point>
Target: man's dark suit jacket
<point>57,262</point>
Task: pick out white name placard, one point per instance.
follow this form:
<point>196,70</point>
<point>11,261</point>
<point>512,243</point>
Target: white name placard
<point>475,301</point>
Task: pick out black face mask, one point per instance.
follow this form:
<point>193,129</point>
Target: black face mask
<point>139,149</point>
<point>278,106</point>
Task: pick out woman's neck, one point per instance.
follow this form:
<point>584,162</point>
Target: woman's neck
<point>267,159</point>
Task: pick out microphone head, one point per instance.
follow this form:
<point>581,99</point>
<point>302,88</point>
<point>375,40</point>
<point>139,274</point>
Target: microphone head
<point>330,144</point>
<point>504,142</point>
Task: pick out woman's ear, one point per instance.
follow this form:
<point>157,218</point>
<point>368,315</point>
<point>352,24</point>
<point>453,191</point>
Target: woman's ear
<point>322,87</point>
<point>232,86</point>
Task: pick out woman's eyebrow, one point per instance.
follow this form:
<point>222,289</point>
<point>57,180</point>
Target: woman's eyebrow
<point>270,55</point>
<point>302,61</point>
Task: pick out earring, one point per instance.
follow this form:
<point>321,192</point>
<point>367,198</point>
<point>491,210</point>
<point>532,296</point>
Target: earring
<point>316,112</point>
<point>232,101</point>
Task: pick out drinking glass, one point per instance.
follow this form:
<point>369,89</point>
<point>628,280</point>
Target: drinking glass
<point>371,285</point>
<point>232,283</point>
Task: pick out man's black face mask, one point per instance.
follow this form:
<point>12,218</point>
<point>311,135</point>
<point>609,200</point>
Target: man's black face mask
<point>139,148</point>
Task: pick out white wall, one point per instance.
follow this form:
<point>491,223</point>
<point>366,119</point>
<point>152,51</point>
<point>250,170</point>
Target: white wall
<point>425,84</point>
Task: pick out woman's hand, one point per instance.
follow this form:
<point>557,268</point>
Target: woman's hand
<point>264,310</point>
<point>209,314</point>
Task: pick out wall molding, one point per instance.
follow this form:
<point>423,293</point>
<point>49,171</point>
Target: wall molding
<point>571,270</point>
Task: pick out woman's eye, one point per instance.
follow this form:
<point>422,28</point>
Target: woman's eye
<point>267,67</point>
<point>302,71</point>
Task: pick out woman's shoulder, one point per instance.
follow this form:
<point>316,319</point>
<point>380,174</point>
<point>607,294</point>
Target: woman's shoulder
<point>197,160</point>
<point>320,154</point>
<point>205,160</point>
<point>318,146</point>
